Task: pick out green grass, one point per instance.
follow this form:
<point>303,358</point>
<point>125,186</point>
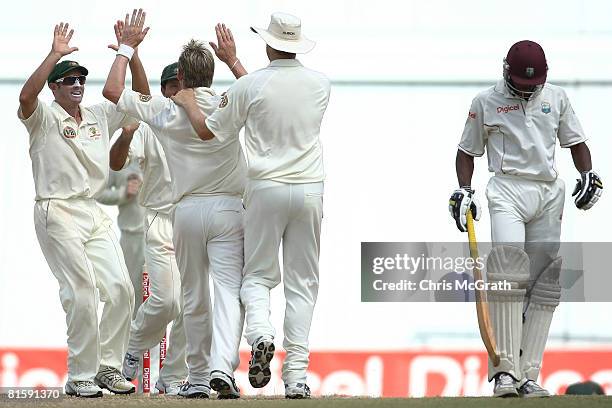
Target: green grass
<point>328,402</point>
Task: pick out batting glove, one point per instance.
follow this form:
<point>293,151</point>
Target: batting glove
<point>458,205</point>
<point>588,190</point>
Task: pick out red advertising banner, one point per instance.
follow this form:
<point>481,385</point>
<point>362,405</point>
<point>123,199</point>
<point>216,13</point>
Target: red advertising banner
<point>414,373</point>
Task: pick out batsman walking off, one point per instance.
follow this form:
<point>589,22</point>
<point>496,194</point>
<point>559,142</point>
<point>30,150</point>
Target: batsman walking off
<point>281,108</point>
<point>518,122</point>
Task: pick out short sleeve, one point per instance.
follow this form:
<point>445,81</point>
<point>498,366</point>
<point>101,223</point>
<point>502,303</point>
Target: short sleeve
<point>146,108</point>
<point>473,137</point>
<point>114,118</point>
<point>39,119</point>
<point>231,114</point>
<point>570,131</point>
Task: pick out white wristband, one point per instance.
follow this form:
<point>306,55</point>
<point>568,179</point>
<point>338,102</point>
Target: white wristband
<point>235,62</point>
<point>126,51</point>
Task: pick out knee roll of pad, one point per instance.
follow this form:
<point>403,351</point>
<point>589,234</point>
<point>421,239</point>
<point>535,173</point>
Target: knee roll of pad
<point>546,289</point>
<point>508,263</point>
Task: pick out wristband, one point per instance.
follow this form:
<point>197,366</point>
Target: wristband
<point>235,62</point>
<point>126,51</point>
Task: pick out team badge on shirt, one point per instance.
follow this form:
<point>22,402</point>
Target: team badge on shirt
<point>94,132</point>
<point>223,102</point>
<point>144,98</point>
<point>546,107</point>
<point>69,132</point>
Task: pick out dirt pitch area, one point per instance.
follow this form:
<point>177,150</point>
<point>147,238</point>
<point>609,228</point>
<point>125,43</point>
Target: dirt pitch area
<point>141,401</point>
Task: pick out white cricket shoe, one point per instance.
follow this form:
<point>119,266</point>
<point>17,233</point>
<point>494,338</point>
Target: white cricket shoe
<point>171,389</point>
<point>224,385</point>
<point>531,389</point>
<point>189,390</point>
<point>259,365</point>
<point>297,391</point>
<point>111,379</point>
<point>505,386</point>
<point>85,389</point>
<point>129,369</point>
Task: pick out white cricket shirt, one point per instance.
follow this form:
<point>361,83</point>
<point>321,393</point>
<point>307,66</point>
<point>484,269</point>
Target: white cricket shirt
<point>520,136</point>
<point>156,189</point>
<point>197,167</point>
<point>281,107</point>
<point>70,160</point>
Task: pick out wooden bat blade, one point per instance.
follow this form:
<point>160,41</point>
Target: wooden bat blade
<point>482,306</point>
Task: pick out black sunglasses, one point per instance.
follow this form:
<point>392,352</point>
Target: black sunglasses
<point>70,80</point>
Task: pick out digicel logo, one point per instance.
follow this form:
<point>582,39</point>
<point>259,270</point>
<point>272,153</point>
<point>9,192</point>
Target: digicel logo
<point>507,108</point>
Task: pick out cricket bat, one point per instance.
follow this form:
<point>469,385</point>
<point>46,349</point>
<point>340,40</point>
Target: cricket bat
<point>482,307</point>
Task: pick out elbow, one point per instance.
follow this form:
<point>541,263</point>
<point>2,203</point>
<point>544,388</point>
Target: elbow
<point>206,134</point>
<point>112,94</point>
<point>115,165</point>
<point>25,98</point>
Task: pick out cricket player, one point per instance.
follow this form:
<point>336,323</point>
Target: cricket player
<point>137,146</point>
<point>281,108</point>
<point>69,146</point>
<point>207,185</point>
<point>121,190</point>
<point>518,121</point>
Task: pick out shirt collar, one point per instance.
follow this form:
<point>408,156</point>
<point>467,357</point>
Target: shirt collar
<point>204,92</point>
<point>285,62</point>
<point>86,115</point>
<point>501,88</point>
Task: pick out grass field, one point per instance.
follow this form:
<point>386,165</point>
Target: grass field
<point>329,402</point>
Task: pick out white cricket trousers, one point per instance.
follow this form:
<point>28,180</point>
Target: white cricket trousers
<point>83,253</point>
<point>165,300</point>
<point>208,238</point>
<point>132,245</point>
<point>291,214</point>
<point>527,214</point>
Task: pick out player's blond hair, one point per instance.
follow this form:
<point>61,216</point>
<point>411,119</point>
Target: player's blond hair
<point>197,65</point>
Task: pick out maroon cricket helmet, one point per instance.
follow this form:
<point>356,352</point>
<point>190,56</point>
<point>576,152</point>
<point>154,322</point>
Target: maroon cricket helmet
<point>526,64</point>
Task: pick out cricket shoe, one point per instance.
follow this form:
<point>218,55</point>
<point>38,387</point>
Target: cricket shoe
<point>85,389</point>
<point>129,369</point>
<point>297,391</point>
<point>171,389</point>
<point>259,366</point>
<point>189,390</point>
<point>505,386</point>
<point>531,389</point>
<point>224,385</point>
<point>111,379</point>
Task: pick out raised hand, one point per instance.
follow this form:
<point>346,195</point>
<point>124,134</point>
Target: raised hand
<point>133,31</point>
<point>61,39</point>
<point>184,97</point>
<point>118,33</point>
<point>225,49</point>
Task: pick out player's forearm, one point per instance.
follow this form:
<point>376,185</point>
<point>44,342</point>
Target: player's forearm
<point>582,157</point>
<point>237,69</point>
<point>115,83</point>
<point>120,150</point>
<point>465,168</point>
<point>198,121</point>
<point>36,82</point>
<point>140,82</point>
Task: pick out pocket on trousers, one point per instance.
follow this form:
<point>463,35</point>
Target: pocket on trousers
<point>59,221</point>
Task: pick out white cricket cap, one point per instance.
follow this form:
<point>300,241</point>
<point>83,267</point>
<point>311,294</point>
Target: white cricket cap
<point>284,33</point>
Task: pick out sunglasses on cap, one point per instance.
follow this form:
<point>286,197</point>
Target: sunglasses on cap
<point>70,80</point>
